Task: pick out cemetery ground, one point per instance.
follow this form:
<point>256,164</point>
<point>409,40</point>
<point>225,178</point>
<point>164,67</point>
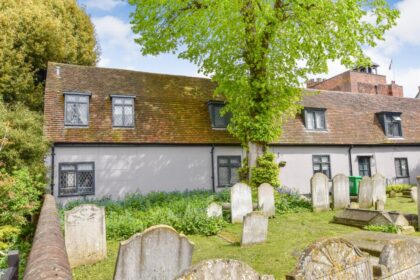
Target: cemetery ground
<point>289,234</point>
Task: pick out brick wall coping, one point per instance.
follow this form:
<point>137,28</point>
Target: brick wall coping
<point>48,258</point>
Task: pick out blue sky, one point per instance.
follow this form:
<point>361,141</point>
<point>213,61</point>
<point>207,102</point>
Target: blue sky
<point>118,50</point>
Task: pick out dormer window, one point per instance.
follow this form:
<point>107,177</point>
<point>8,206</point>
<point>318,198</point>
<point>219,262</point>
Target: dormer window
<point>76,112</point>
<point>391,123</point>
<point>122,111</point>
<point>217,120</point>
<point>315,119</point>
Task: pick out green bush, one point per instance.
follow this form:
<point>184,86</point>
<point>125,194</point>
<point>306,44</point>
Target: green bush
<point>291,202</point>
<point>265,171</point>
<point>186,212</point>
<point>382,228</point>
<point>398,188</point>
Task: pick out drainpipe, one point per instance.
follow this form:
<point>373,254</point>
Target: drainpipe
<point>52,169</point>
<point>350,161</point>
<point>212,168</point>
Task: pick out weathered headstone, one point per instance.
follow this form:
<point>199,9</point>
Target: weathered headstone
<point>379,188</point>
<point>366,193</point>
<point>333,258</point>
<point>320,192</point>
<point>400,259</point>
<point>379,205</point>
<point>413,194</point>
<point>222,269</point>
<point>254,229</point>
<point>341,191</point>
<point>240,202</point>
<point>159,252</point>
<point>418,201</point>
<point>266,199</point>
<point>214,210</point>
<point>85,236</point>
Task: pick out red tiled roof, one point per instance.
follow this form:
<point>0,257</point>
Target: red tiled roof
<point>173,110</point>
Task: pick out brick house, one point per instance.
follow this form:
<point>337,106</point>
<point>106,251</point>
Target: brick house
<point>116,132</point>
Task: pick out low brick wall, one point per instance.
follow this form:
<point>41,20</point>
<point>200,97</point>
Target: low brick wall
<point>48,258</point>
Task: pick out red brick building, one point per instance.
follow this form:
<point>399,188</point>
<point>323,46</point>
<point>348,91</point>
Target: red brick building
<point>360,80</point>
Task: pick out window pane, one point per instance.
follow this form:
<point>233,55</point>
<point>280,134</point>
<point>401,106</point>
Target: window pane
<point>219,121</point>
<point>85,166</point>
<point>128,115</point>
<point>320,123</point>
<point>325,159</point>
<point>83,114</point>
<point>128,101</point>
<point>234,176</point>
<point>71,98</point>
<point>223,176</point>
<point>85,181</point>
<point>118,118</point>
<point>118,101</point>
<point>317,167</point>
<point>310,121</point>
<point>317,159</point>
<point>68,167</point>
<point>235,161</point>
<point>223,160</point>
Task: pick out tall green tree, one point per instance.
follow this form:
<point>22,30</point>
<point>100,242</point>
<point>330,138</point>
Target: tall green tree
<point>258,51</point>
<point>34,32</point>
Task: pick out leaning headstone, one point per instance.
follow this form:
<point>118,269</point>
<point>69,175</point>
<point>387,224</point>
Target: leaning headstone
<point>413,194</point>
<point>84,233</point>
<point>400,259</point>
<point>379,205</point>
<point>240,202</point>
<point>159,252</point>
<point>366,193</point>
<point>254,229</point>
<point>222,269</point>
<point>214,210</point>
<point>266,199</point>
<point>332,258</point>
<point>341,191</point>
<point>379,188</point>
<point>320,192</point>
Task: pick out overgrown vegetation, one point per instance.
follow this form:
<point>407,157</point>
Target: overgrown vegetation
<point>398,188</point>
<point>265,171</point>
<point>186,212</point>
<point>289,201</point>
<point>382,228</point>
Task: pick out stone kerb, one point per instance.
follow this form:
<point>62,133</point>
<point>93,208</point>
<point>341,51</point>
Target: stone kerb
<point>240,202</point>
<point>366,193</point>
<point>332,258</point>
<point>85,234</point>
<point>255,228</point>
<point>320,192</point>
<point>379,188</point>
<point>341,193</point>
<point>222,269</point>
<point>266,199</point>
<point>159,252</point>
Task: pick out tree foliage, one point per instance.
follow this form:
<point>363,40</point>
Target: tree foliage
<point>34,32</point>
<point>258,51</point>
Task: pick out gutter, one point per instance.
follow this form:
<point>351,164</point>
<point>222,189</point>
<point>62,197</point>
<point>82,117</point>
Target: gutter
<point>52,169</point>
<point>212,168</point>
<point>350,160</point>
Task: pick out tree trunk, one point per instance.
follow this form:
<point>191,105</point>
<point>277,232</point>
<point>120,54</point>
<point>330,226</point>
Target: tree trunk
<point>254,151</point>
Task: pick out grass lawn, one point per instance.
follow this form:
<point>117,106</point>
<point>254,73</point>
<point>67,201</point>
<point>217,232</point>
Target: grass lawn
<point>288,235</point>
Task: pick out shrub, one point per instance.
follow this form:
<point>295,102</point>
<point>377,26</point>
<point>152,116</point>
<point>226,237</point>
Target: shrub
<point>265,171</point>
<point>398,188</point>
<point>291,202</point>
<point>382,228</point>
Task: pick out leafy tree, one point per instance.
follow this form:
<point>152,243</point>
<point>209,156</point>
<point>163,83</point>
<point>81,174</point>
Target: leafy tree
<point>258,51</point>
<point>34,32</point>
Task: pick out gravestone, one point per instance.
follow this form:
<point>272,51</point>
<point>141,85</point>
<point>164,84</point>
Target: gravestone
<point>366,193</point>
<point>254,229</point>
<point>379,188</point>
<point>332,258</point>
<point>159,252</point>
<point>240,202</point>
<point>222,269</point>
<point>399,259</point>
<point>341,191</point>
<point>379,205</point>
<point>320,192</point>
<point>214,210</point>
<point>418,202</point>
<point>266,199</point>
<point>413,194</point>
<point>84,234</point>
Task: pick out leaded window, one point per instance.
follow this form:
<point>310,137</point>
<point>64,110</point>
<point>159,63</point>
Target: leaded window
<point>227,167</point>
<point>218,120</point>
<point>122,111</point>
<point>401,167</point>
<point>76,109</point>
<point>393,125</point>
<point>321,163</point>
<point>315,119</point>
<point>364,166</point>
<point>76,179</point>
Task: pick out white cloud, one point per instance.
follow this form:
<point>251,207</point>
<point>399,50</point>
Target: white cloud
<point>105,5</point>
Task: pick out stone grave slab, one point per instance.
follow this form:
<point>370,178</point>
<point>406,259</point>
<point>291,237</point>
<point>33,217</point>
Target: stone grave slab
<point>266,199</point>
<point>320,192</point>
<point>214,210</point>
<point>365,193</point>
<point>255,228</point>
<point>85,234</point>
<point>332,259</point>
<point>240,202</point>
<point>159,252</point>
<point>363,217</point>
<point>222,269</point>
<point>341,194</point>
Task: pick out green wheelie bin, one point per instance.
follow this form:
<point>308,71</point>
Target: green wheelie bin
<point>354,184</point>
